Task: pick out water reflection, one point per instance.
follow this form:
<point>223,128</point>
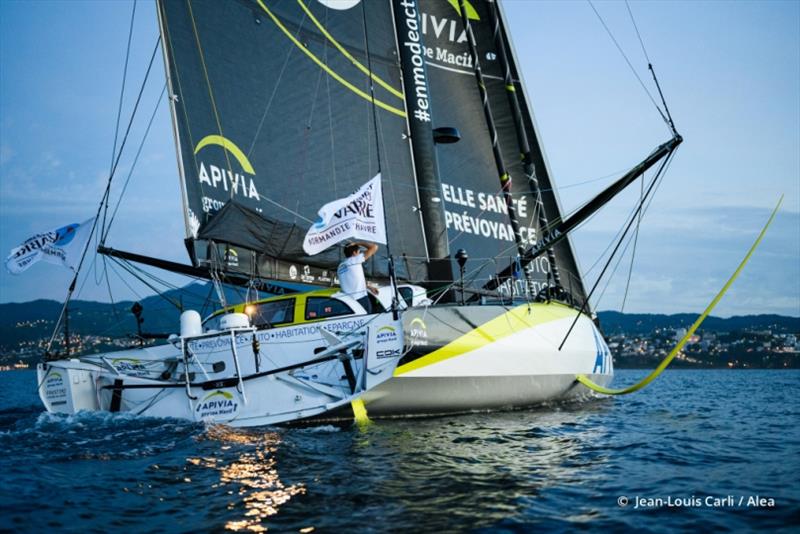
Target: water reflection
<point>494,466</point>
<point>252,478</point>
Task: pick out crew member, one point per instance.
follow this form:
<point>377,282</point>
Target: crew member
<point>351,272</point>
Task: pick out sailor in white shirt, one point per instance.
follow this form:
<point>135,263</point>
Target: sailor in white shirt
<point>351,272</point>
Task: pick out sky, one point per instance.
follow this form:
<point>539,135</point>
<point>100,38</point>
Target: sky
<point>730,72</point>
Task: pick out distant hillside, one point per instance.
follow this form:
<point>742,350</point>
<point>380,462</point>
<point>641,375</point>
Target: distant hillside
<point>24,327</point>
<point>644,323</point>
<point>29,321</point>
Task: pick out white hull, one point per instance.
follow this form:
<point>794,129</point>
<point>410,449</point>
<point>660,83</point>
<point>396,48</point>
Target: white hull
<point>494,358</point>
<point>298,372</point>
<point>512,360</point>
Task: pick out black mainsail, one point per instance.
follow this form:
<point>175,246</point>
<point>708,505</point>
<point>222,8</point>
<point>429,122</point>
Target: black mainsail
<point>273,114</point>
<point>272,110</point>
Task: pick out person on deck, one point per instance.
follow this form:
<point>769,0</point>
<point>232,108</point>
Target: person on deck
<point>351,272</point>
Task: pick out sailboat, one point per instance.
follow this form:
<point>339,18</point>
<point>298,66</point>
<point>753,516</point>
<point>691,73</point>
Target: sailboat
<point>281,106</point>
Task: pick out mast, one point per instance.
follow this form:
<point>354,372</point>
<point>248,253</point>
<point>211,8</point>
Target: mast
<point>66,328</point>
<point>419,119</point>
<point>522,135</point>
<point>505,178</point>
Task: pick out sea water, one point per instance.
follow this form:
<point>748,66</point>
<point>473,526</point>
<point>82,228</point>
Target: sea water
<point>716,449</point>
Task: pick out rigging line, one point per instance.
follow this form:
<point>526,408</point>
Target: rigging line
<point>633,70</point>
<point>128,129</point>
<point>125,266</point>
<point>345,53</point>
<point>583,379</point>
<point>177,98</point>
<point>108,287</point>
<point>274,92</point>
<point>281,206</point>
<point>135,160</point>
<point>613,272</point>
<point>643,213</point>
<point>641,216</point>
<point>371,86</point>
<point>635,27</point>
<point>633,252</point>
<point>323,66</point>
<point>124,281</point>
<point>103,201</point>
<point>208,85</point>
<point>650,67</point>
<point>613,252</point>
<point>330,121</point>
<point>121,95</point>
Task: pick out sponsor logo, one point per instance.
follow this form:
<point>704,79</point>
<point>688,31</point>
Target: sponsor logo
<point>231,257</point>
<point>129,366</point>
<point>225,177</point>
<point>448,33</point>
<point>418,333</point>
<point>218,405</point>
<point>306,276</point>
<point>602,361</point>
<point>414,53</point>
<point>293,272</point>
<point>386,334</point>
<point>54,387</point>
<point>394,353</point>
<point>324,277</point>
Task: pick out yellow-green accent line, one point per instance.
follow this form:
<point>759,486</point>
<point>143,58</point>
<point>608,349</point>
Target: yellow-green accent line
<point>347,54</point>
<point>230,147</point>
<point>323,66</point>
<point>511,88</point>
<point>504,325</point>
<point>583,379</point>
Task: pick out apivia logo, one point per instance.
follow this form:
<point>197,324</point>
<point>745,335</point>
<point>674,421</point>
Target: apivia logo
<point>223,175</point>
<point>386,334</point>
<point>450,29</point>
<point>218,405</point>
<point>54,387</point>
<point>418,333</point>
<point>231,257</point>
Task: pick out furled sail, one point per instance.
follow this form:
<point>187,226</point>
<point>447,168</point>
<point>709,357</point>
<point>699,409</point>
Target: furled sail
<point>273,116</point>
<point>475,212</point>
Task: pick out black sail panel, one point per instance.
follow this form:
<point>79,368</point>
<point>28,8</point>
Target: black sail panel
<point>273,112</point>
<point>475,212</point>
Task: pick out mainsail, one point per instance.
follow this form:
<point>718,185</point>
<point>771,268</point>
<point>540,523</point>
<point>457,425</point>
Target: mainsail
<point>273,113</point>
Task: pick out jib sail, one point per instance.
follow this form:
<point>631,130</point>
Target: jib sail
<point>475,213</point>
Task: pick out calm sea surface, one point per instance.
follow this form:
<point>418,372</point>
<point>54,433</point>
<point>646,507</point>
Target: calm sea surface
<point>689,438</point>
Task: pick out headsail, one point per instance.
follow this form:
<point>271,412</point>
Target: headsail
<point>475,212</point>
<point>273,113</point>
